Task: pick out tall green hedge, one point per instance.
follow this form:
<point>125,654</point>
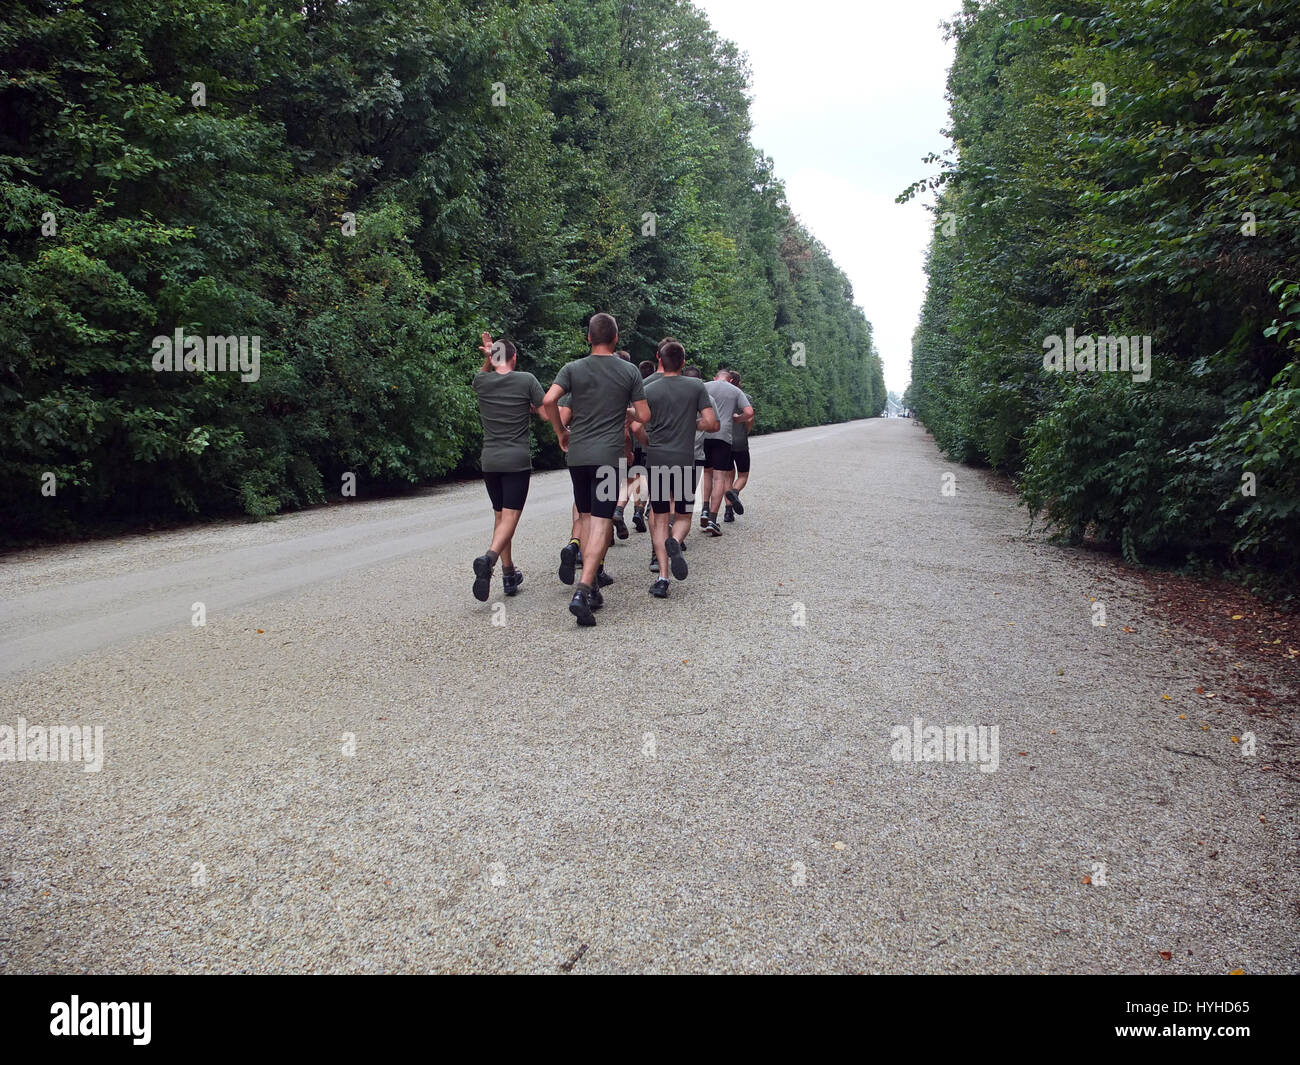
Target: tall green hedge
<point>365,186</point>
<point>1125,168</point>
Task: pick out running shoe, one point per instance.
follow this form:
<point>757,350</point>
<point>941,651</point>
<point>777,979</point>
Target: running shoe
<point>620,526</point>
<point>727,514</point>
<point>595,599</point>
<point>659,589</point>
<point>580,608</point>
<point>675,561</point>
<point>512,581</point>
<point>733,497</point>
<point>603,579</point>
<point>482,578</point>
<point>638,520</point>
<point>568,559</point>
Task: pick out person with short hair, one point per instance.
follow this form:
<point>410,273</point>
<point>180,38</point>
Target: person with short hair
<point>600,387</point>
<point>507,397</point>
<point>680,406</point>
<point>739,453</point>
<point>729,401</point>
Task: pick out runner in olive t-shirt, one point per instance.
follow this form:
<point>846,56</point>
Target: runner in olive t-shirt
<point>740,426</point>
<point>680,405</point>
<point>600,387</point>
<point>719,472</point>
<point>506,399</point>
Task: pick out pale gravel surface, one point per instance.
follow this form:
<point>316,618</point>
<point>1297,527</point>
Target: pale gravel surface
<point>499,811</point>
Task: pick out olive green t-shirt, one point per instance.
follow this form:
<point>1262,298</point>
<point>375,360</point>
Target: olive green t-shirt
<point>600,389</point>
<point>675,405</point>
<point>505,402</point>
<point>739,434</point>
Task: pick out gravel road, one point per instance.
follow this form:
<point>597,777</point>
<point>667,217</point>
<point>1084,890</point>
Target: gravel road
<point>350,767</point>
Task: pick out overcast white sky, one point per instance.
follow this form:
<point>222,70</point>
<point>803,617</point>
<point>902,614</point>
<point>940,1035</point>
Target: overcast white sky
<point>848,95</point>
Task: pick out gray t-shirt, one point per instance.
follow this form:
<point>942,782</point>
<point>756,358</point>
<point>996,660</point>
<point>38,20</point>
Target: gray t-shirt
<point>675,405</point>
<point>727,399</point>
<point>505,402</point>
<point>600,389</point>
<point>739,434</point>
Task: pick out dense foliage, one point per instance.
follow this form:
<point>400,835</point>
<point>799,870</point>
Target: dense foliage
<point>1125,168</point>
<point>365,186</point>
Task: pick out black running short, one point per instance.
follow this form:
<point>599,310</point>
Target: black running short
<point>741,459</point>
<point>673,486</point>
<point>590,489</point>
<point>717,455</point>
<point>507,491</point>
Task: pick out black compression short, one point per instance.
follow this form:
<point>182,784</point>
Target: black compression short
<point>507,491</point>
<point>590,488</point>
<point>673,486</point>
<point>717,455</point>
<point>741,460</point>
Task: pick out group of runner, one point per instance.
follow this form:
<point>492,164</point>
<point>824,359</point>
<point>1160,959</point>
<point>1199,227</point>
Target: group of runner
<point>649,435</point>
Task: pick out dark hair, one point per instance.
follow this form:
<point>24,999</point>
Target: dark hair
<point>624,356</point>
<point>672,355</point>
<point>666,340</point>
<point>692,371</point>
<point>602,329</point>
<point>733,377</point>
<point>647,368</point>
<point>510,350</point>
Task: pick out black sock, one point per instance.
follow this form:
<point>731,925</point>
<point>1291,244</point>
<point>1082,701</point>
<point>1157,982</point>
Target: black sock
<point>492,557</point>
<point>508,570</point>
<point>584,587</point>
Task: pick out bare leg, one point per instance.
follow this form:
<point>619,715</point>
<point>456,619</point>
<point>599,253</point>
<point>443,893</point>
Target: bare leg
<point>721,482</point>
<point>596,538</point>
<point>503,533</point>
<point>742,479</point>
<point>681,526</point>
<point>659,536</point>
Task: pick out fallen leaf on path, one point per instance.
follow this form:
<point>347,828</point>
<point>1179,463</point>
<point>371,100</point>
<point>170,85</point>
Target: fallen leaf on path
<point>1167,955</point>
<point>1087,880</point>
<point>1237,972</point>
<point>839,846</point>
